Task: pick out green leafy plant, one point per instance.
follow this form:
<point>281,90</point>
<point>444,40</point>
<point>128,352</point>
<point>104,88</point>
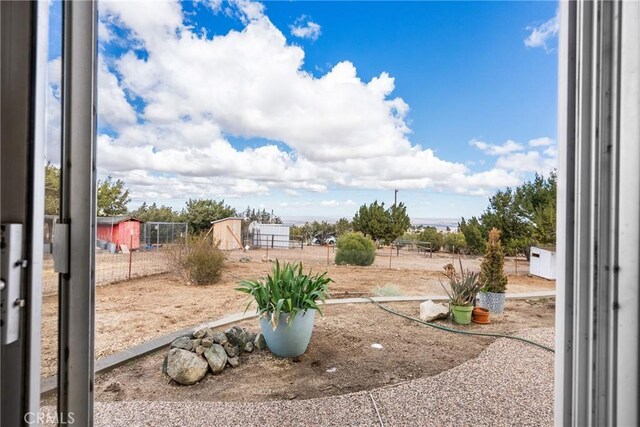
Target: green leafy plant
<point>492,277</point>
<point>464,285</point>
<point>286,290</point>
<point>199,261</point>
<point>355,249</point>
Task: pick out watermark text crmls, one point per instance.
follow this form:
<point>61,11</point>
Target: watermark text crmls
<point>49,418</point>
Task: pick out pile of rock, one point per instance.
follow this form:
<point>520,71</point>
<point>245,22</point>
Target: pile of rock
<point>192,356</point>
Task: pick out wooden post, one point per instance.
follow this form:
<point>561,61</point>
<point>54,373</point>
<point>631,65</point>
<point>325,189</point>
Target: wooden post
<point>516,265</point>
<point>390,255</point>
<point>327,255</point>
<point>130,252</point>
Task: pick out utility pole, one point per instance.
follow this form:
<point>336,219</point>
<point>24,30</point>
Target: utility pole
<point>395,197</point>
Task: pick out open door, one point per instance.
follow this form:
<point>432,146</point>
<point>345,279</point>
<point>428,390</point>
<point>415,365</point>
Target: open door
<point>24,31</point>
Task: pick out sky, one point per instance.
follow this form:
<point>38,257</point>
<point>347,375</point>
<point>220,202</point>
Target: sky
<point>312,108</point>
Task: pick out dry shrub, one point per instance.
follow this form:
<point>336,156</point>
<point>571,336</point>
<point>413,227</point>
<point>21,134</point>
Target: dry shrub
<point>199,261</point>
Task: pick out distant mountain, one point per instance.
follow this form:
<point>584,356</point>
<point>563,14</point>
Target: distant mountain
<point>439,223</point>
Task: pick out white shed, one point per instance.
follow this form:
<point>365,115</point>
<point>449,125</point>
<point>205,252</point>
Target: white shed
<point>275,236</point>
<point>542,263</point>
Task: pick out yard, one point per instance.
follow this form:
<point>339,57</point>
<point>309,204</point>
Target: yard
<point>135,311</point>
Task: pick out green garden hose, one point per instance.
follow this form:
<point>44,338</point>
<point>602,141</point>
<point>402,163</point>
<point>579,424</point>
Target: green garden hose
<point>457,331</point>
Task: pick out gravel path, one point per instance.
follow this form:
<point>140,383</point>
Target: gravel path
<point>510,383</point>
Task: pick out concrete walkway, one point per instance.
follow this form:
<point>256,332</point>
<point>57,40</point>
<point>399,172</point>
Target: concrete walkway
<point>510,383</point>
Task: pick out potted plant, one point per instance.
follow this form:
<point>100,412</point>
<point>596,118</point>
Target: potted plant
<point>492,277</point>
<point>287,301</point>
<point>464,288</point>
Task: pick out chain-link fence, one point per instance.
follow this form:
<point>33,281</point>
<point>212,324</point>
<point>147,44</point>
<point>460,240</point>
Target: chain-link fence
<point>155,234</point>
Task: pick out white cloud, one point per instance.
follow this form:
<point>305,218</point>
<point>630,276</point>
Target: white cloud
<point>541,34</point>
<point>531,161</point>
<point>496,150</point>
<point>329,203</point>
<point>304,28</point>
<point>339,130</point>
<point>541,142</point>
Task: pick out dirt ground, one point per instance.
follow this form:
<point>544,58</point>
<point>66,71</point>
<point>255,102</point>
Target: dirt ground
<point>129,313</point>
<point>339,359</point>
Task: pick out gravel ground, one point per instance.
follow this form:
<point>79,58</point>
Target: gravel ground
<point>510,383</point>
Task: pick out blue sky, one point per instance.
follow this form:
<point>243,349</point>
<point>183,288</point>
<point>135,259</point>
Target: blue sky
<point>314,108</point>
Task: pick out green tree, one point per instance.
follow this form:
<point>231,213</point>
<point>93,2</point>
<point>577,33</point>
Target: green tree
<point>51,190</point>
<point>399,222</point>
<point>113,197</point>
<point>430,235</point>
<point>199,213</point>
<point>342,226</point>
<point>383,225</point>
<point>473,235</point>
<point>262,216</point>
<point>155,213</point>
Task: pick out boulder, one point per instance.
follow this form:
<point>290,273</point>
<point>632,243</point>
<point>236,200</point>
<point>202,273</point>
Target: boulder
<point>233,362</point>
<point>216,357</point>
<point>245,259</point>
<point>259,343</point>
<point>219,338</point>
<point>185,367</point>
<point>195,343</point>
<point>237,336</point>
<point>204,332</point>
<point>248,347</point>
<point>231,350</point>
<point>206,342</point>
<point>430,311</point>
<point>199,350</point>
<point>183,343</point>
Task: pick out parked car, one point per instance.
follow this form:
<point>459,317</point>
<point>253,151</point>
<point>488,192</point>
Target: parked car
<point>331,240</point>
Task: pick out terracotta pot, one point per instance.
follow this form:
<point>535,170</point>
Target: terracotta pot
<point>480,315</point>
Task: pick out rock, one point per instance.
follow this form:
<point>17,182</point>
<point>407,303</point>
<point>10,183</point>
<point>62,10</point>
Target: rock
<point>183,343</point>
<point>259,343</point>
<point>245,259</point>
<point>232,350</point>
<point>204,332</point>
<point>237,336</point>
<point>164,363</point>
<point>195,343</point>
<point>199,350</point>
<point>251,336</point>
<point>206,342</point>
<point>216,357</point>
<point>233,362</point>
<point>430,311</point>
<point>248,347</point>
<point>220,338</point>
<point>185,367</point>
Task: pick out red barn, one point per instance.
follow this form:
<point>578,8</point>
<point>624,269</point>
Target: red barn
<point>121,230</point>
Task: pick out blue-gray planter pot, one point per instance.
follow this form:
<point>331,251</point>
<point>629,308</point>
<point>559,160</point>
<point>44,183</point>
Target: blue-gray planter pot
<point>492,301</point>
<point>289,339</point>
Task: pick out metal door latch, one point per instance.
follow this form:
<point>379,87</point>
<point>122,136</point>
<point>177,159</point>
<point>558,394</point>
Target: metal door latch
<point>12,265</point>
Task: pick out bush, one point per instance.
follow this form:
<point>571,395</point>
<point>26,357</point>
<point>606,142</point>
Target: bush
<point>355,249</point>
<point>433,236</point>
<point>455,242</point>
<point>199,261</point>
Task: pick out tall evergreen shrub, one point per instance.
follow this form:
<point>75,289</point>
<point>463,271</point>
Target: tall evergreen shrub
<point>492,275</point>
